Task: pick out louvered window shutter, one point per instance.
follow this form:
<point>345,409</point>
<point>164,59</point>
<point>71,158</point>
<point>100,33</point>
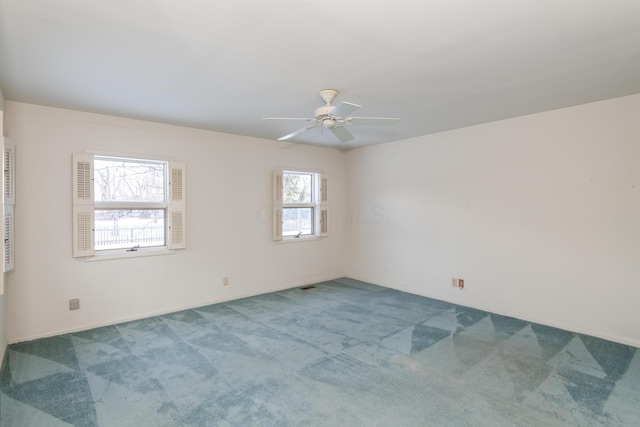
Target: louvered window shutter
<point>324,206</point>
<point>277,205</point>
<point>8,238</point>
<point>177,219</point>
<point>8,176</point>
<point>83,206</point>
<point>8,200</point>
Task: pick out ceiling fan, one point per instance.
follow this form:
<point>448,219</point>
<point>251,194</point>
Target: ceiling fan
<point>335,118</point>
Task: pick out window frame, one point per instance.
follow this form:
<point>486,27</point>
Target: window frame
<point>84,207</point>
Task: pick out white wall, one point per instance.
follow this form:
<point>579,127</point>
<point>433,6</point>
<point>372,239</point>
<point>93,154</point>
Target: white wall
<point>228,220</point>
<point>539,214</point>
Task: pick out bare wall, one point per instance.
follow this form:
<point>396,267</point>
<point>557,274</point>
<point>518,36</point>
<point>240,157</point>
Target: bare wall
<point>228,223</point>
<point>539,214</point>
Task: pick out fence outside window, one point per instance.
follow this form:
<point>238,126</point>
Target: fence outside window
<point>109,237</point>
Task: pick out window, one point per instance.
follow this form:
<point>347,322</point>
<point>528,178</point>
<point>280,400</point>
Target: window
<point>299,205</point>
<point>125,204</point>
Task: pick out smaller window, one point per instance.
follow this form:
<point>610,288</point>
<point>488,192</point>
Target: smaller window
<point>300,205</point>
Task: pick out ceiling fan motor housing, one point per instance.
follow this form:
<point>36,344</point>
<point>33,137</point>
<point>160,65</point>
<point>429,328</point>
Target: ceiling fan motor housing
<point>324,111</point>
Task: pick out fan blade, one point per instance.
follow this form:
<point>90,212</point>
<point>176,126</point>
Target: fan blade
<point>372,121</point>
<point>342,133</point>
<point>288,118</point>
<point>344,109</point>
<point>297,132</point>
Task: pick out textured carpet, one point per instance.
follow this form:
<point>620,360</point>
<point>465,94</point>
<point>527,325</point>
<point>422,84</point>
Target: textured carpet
<point>344,353</point>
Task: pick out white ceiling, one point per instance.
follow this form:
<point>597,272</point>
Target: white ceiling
<point>225,65</point>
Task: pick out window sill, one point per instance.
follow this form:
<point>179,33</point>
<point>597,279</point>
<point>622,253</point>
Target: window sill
<point>299,239</point>
<point>123,254</point>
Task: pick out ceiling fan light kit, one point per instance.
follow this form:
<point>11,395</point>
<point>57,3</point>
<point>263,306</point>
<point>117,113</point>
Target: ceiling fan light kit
<point>335,118</point>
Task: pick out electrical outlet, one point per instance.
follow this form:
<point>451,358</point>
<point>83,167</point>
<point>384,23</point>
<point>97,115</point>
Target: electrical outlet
<point>74,304</point>
<point>225,281</point>
<point>461,283</point>
<point>454,282</point>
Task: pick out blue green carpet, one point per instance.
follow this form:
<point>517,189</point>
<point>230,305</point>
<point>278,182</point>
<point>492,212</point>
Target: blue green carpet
<point>345,353</point>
